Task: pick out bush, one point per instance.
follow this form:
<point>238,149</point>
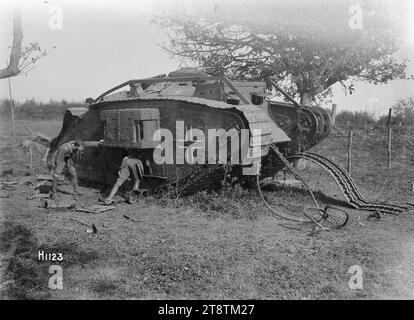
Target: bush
<point>33,109</point>
<point>358,119</point>
<point>403,113</point>
<point>402,118</point>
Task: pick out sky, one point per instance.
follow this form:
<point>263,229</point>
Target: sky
<point>99,43</point>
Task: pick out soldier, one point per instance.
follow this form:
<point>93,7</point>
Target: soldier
<point>130,164</point>
<point>62,164</point>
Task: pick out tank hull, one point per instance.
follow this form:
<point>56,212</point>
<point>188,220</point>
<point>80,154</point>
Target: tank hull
<point>177,114</point>
<point>114,123</point>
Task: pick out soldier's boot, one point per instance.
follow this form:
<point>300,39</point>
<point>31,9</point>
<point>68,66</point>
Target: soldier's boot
<point>136,185</point>
<point>75,186</point>
<point>54,188</point>
<point>112,194</point>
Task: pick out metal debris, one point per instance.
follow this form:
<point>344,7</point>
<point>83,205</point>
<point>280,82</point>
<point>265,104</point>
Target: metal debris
<point>9,183</point>
<point>59,204</point>
<point>7,172</point>
<point>4,195</point>
<point>348,186</point>
<point>129,218</point>
<point>38,196</point>
<point>95,209</point>
<point>92,229</point>
<point>44,177</point>
<point>9,187</point>
<point>40,184</point>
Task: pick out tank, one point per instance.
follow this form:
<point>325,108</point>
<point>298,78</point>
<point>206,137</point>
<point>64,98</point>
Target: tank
<point>164,114</point>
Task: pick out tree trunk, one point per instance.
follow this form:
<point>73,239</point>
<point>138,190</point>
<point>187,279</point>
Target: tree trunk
<point>12,110</point>
<point>13,68</point>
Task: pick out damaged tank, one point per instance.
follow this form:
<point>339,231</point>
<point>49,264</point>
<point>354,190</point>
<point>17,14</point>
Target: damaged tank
<point>131,115</point>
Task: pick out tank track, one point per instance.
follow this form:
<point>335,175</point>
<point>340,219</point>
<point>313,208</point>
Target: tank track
<point>195,177</point>
<point>348,186</point>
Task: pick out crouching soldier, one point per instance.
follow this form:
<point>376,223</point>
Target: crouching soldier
<point>62,165</point>
<point>130,164</point>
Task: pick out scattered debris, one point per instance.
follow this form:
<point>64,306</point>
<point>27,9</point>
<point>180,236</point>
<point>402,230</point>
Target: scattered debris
<point>39,138</point>
<point>4,195</point>
<point>129,218</point>
<point>42,139</point>
<point>41,190</point>
<point>410,204</point>
<point>96,208</point>
<point>40,184</point>
<point>358,223</point>
<point>375,215</point>
<point>55,204</point>
<point>92,226</point>
<point>80,221</point>
<point>38,196</point>
<point>115,201</point>
<point>10,183</point>
<point>44,177</point>
<point>289,182</point>
<point>316,230</point>
<point>9,187</point>
<point>93,230</point>
<point>7,172</point>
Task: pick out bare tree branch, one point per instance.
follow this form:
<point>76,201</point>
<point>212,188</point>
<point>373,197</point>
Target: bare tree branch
<point>13,68</point>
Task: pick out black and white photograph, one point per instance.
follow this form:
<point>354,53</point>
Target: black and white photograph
<point>206,156</point>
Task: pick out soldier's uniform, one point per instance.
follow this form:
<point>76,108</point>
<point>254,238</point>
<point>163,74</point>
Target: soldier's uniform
<point>63,165</point>
<point>129,165</point>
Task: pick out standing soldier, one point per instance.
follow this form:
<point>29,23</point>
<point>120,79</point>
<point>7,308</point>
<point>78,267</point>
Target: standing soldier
<point>130,164</point>
<point>63,165</point>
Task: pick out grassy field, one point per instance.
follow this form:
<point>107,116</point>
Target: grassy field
<point>212,246</point>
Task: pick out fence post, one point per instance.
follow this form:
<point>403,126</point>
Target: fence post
<point>12,110</point>
<point>349,147</point>
<point>389,138</point>
<point>333,115</point>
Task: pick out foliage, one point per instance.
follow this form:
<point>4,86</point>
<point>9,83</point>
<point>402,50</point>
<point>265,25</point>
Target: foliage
<point>30,54</point>
<point>33,109</point>
<point>402,118</point>
<point>403,112</point>
<point>357,119</point>
<point>307,46</point>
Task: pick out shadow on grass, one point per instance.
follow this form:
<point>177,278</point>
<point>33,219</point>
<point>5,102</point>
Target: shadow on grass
<point>302,192</point>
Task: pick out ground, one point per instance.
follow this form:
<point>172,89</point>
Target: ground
<point>210,246</point>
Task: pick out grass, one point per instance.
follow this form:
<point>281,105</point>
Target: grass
<point>223,245</point>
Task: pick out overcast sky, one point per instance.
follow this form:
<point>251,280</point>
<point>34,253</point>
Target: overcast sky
<point>103,43</point>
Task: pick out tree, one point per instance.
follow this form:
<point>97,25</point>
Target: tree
<point>22,57</point>
<point>404,111</point>
<point>306,46</point>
